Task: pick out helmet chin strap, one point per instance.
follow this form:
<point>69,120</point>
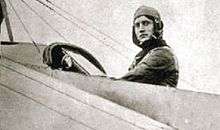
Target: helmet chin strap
<point>153,36</point>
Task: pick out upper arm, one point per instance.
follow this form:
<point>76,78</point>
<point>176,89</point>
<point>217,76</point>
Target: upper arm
<point>157,61</point>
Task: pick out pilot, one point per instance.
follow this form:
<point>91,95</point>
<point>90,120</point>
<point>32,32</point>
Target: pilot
<point>156,62</point>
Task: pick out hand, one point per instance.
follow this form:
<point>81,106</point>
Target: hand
<point>66,61</point>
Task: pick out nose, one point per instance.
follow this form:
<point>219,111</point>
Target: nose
<point>141,29</point>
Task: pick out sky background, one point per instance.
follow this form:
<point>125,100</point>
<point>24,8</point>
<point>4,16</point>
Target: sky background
<point>192,29</point>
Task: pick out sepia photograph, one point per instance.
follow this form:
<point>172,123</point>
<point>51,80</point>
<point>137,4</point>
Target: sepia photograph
<point>109,65</point>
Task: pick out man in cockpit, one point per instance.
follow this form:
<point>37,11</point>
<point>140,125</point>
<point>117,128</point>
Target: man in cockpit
<point>155,63</point>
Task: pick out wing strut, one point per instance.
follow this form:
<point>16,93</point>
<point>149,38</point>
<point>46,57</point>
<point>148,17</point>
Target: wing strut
<point>7,22</point>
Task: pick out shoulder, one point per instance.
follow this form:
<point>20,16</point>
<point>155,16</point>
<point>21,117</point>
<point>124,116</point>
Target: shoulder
<point>160,52</point>
<point>160,57</point>
<point>165,51</point>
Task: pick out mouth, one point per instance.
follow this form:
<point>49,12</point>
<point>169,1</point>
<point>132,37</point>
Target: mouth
<point>144,35</point>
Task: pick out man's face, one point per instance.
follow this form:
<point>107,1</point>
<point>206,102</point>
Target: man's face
<point>144,28</point>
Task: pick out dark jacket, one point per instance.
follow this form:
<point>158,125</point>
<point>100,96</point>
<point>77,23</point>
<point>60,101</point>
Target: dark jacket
<point>155,64</point>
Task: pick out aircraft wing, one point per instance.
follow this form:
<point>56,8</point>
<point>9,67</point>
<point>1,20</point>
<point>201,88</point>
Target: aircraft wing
<point>32,100</point>
<point>34,96</point>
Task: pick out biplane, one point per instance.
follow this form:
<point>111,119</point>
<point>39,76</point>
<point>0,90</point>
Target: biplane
<point>33,95</point>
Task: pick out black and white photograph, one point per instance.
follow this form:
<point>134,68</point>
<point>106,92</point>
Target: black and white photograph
<point>109,65</point>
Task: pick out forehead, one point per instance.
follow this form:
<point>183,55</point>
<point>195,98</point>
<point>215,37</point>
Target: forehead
<point>142,18</point>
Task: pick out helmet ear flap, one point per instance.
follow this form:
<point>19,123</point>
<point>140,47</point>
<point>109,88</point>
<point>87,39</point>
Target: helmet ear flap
<point>161,25</point>
<point>158,24</point>
<point>134,37</point>
<point>158,30</point>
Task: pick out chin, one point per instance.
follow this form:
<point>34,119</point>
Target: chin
<point>144,39</point>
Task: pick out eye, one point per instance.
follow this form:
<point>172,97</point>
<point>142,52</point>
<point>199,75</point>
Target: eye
<point>137,25</point>
<point>145,23</point>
